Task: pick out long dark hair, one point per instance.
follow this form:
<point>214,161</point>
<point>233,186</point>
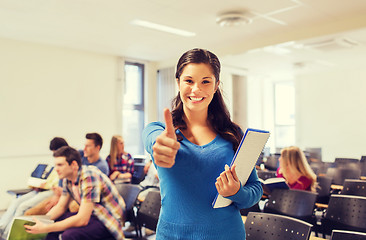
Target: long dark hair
<point>218,114</point>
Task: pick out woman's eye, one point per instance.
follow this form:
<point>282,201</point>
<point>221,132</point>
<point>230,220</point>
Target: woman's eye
<point>188,81</point>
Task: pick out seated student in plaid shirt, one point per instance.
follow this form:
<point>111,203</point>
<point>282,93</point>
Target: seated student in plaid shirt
<point>101,207</point>
<point>121,163</point>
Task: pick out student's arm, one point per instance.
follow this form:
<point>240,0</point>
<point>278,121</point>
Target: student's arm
<point>249,194</point>
<point>60,208</point>
<point>125,175</point>
<point>79,220</point>
<point>165,146</point>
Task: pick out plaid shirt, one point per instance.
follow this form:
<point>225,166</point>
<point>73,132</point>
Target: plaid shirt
<point>124,163</point>
<point>96,187</point>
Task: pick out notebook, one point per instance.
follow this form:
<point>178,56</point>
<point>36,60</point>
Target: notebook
<point>246,156</point>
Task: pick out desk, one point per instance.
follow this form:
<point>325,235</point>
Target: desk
<point>321,205</point>
<point>316,238</point>
<point>363,177</point>
<point>336,187</point>
<point>19,192</point>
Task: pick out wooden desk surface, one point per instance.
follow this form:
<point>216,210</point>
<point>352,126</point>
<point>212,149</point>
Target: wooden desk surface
<point>316,238</point>
<point>336,187</point>
<point>321,205</point>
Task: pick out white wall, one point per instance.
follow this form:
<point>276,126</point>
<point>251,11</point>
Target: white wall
<point>331,112</point>
<point>49,91</point>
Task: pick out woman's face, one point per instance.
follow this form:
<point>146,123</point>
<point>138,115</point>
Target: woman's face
<point>197,86</point>
<point>283,164</point>
<point>120,146</point>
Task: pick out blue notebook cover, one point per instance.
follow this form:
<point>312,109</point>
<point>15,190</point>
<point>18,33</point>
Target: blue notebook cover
<point>42,171</point>
<point>246,156</point>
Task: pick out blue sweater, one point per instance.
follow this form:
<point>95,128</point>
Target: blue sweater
<point>188,189</point>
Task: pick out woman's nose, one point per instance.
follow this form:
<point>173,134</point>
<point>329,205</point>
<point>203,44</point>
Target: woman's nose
<point>195,88</point>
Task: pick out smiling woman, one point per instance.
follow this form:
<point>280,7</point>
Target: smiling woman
<point>192,151</point>
<point>197,87</point>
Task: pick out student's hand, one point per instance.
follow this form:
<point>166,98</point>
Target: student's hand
<point>39,227</point>
<point>228,184</point>
<point>114,175</point>
<point>166,145</point>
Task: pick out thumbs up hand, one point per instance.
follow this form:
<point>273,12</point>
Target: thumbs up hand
<point>166,146</point>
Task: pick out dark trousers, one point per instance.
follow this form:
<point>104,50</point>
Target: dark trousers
<point>93,231</point>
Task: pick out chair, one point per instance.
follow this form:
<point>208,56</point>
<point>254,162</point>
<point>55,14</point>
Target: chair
<point>293,203</point>
<point>259,160</point>
<point>354,187</point>
<point>138,174</point>
<point>347,235</point>
<point>363,165</point>
<point>324,188</point>
<point>262,174</point>
<point>148,213</point>
<point>315,154</point>
<point>339,174</point>
<point>254,208</point>
<point>344,212</point>
<point>272,162</point>
<point>263,226</point>
<point>129,193</point>
<point>346,161</point>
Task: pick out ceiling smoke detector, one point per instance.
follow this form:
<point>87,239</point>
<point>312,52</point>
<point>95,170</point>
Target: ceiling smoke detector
<point>229,19</point>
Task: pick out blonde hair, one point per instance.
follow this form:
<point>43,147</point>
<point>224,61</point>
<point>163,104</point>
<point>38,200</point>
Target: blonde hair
<point>114,150</point>
<point>295,160</point>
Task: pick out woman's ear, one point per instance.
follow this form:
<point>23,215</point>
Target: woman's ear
<point>217,85</point>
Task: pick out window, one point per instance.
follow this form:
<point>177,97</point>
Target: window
<point>133,107</point>
<point>284,93</point>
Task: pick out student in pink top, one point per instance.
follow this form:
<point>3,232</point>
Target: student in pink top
<point>296,170</point>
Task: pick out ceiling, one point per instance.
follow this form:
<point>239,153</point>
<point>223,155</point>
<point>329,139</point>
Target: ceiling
<point>105,27</point>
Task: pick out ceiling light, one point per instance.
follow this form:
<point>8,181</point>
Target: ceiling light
<point>162,28</point>
<point>229,19</point>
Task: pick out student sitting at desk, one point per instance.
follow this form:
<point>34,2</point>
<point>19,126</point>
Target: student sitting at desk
<point>120,162</point>
<point>21,204</point>
<point>296,170</point>
<point>101,207</point>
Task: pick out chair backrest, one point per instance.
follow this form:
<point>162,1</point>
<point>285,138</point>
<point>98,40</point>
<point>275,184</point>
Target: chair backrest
<point>324,185</point>
<point>272,162</point>
<point>266,174</point>
<point>129,193</point>
<point>342,173</point>
<point>354,187</point>
<point>347,235</point>
<point>345,161</point>
<point>294,203</point>
<point>363,165</point>
<point>148,213</point>
<point>345,212</point>
<point>323,189</point>
<point>263,226</point>
<point>138,173</point>
<point>315,154</point>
